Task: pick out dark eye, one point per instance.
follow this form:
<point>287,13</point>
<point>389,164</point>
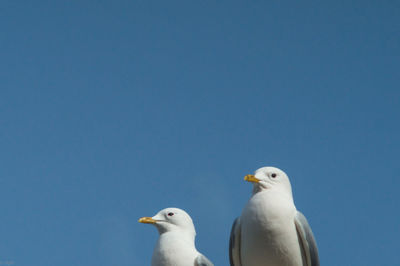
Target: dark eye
<point>170,214</point>
<point>273,175</point>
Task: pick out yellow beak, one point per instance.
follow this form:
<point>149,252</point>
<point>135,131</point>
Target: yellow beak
<point>147,220</point>
<point>251,178</point>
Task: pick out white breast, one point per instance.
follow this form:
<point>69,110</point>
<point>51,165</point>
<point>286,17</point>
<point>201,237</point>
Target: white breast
<point>173,249</point>
<point>268,232</point>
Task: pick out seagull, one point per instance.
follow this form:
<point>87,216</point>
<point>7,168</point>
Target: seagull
<point>175,246</point>
<point>270,231</point>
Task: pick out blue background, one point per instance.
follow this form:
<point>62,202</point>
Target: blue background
<point>113,110</point>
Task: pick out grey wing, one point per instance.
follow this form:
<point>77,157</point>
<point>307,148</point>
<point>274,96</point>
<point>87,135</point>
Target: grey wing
<point>306,239</point>
<point>201,260</point>
<point>234,244</point>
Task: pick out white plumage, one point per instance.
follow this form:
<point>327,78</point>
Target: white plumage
<point>175,246</point>
<point>270,231</point>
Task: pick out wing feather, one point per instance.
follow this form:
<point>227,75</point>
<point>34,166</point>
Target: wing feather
<point>201,260</point>
<point>306,240</point>
<point>234,244</point>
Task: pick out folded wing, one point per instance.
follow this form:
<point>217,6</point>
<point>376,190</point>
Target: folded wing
<point>306,239</point>
<point>234,244</point>
<point>201,260</point>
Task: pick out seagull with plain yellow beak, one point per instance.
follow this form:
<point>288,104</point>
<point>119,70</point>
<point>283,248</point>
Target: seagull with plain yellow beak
<point>270,231</point>
<point>175,246</point>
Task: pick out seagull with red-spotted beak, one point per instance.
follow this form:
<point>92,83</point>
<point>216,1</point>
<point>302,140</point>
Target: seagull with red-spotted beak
<point>175,246</point>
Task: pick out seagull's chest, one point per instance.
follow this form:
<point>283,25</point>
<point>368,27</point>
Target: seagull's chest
<point>173,251</point>
<point>268,211</point>
<point>268,232</point>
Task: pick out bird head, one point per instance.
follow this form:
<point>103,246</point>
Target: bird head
<point>269,178</point>
<point>170,219</point>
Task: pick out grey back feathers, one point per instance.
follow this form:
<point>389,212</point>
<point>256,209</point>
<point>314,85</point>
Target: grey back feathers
<point>234,244</point>
<point>306,239</point>
<point>201,260</point>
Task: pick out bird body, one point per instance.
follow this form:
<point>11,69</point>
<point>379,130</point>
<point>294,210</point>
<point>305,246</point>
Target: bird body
<point>174,249</point>
<point>270,233</point>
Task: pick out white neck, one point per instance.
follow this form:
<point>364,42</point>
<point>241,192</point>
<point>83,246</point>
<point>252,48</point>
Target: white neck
<point>282,191</point>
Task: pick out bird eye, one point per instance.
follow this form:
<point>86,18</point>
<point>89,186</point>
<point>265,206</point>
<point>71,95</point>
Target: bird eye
<point>273,175</point>
<point>170,214</point>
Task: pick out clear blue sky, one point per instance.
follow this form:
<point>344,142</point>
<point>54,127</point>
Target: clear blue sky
<point>113,110</point>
